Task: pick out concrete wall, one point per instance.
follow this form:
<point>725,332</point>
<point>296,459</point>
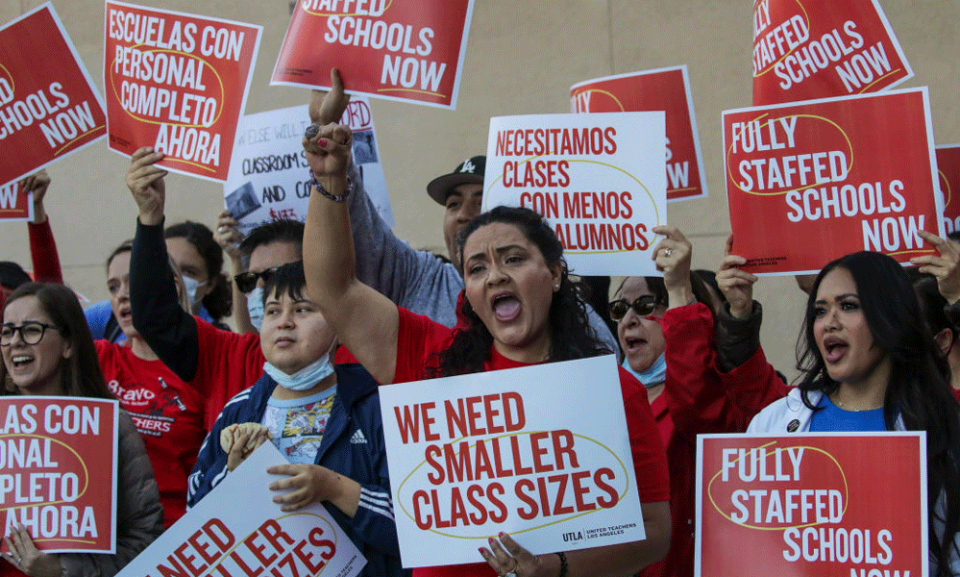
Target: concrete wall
<point>522,57</point>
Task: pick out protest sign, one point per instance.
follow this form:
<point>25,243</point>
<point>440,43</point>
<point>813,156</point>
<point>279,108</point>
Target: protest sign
<point>269,175</point>
<point>177,82</point>
<point>812,505</point>
<point>58,472</point>
<point>49,108</point>
<point>809,49</point>
<point>474,455</point>
<point>666,89</point>
<point>598,179</point>
<point>812,181</point>
<point>15,205</point>
<point>948,168</point>
<point>237,530</point>
<point>410,50</point>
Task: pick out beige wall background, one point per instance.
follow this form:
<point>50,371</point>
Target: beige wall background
<point>522,57</point>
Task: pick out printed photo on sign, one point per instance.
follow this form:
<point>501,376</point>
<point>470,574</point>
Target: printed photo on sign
<point>410,50</point>
<point>598,179</point>
<point>58,472</point>
<point>808,49</point>
<point>807,505</point>
<point>49,106</point>
<point>15,204</point>
<point>474,455</point>
<point>809,182</point>
<point>269,177</point>
<point>666,89</point>
<point>177,82</point>
<point>217,538</point>
<point>948,169</point>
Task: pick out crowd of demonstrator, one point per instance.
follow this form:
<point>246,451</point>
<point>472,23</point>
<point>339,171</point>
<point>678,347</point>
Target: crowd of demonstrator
<point>322,323</point>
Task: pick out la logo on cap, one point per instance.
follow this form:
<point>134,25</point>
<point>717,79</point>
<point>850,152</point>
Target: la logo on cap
<point>468,167</point>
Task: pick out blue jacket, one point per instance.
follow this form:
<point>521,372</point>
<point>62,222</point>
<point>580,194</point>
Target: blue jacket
<point>352,445</point>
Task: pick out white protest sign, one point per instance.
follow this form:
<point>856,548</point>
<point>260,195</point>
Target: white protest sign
<point>599,179</point>
<point>474,455</point>
<point>238,530</point>
<point>269,176</point>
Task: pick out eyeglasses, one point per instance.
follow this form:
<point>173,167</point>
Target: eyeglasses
<point>31,332</point>
<point>247,281</point>
<point>643,306</point>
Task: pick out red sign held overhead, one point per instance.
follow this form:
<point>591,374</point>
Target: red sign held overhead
<point>58,471</point>
<point>49,107</point>
<point>15,204</point>
<point>948,167</point>
<point>408,50</point>
<point>812,181</point>
<point>812,505</point>
<point>177,82</point>
<point>666,89</point>
<point>808,49</point>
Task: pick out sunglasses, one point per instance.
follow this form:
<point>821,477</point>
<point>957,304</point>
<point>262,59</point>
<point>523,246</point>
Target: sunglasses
<point>247,281</point>
<point>643,306</point>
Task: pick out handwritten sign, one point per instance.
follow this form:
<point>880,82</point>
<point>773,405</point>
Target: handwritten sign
<point>474,455</point>
<point>49,107</point>
<point>666,89</point>
<point>410,50</point>
<point>812,505</point>
<point>58,471</point>
<point>810,182</point>
<point>269,175</point>
<point>808,49</point>
<point>177,82</point>
<point>218,538</point>
<point>599,179</point>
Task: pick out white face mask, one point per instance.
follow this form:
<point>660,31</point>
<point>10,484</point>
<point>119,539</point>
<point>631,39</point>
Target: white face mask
<point>255,307</point>
<point>192,285</point>
<point>305,378</point>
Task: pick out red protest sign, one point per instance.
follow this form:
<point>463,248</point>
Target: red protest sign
<point>58,471</point>
<point>409,50</point>
<point>807,49</point>
<point>666,89</point>
<point>15,205</point>
<point>812,181</point>
<point>823,505</point>
<point>948,167</point>
<point>177,82</point>
<point>49,107</point>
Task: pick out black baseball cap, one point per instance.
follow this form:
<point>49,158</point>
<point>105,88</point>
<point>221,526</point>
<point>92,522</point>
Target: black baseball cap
<point>470,171</point>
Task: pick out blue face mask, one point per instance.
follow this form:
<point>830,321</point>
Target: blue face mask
<point>192,285</point>
<point>255,307</point>
<point>305,378</point>
<point>655,373</point>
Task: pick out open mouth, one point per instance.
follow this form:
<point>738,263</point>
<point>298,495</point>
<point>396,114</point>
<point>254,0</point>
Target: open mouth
<point>634,343</point>
<point>506,307</point>
<point>20,361</point>
<point>835,349</point>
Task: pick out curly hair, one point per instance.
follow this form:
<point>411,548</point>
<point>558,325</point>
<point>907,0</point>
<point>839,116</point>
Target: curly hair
<point>571,336</point>
<point>918,392</point>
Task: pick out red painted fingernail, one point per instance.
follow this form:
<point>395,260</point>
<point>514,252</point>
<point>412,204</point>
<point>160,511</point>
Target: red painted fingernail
<point>480,549</point>
<point>322,143</point>
<point>501,534</point>
<point>490,540</point>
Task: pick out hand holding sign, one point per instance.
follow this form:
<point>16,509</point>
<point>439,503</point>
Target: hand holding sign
<point>672,256</point>
<point>314,484</point>
<point>736,284</point>
<point>507,557</point>
<point>327,107</point>
<point>328,152</point>
<point>945,267</point>
<point>145,181</point>
<point>37,183</point>
<point>227,235</point>
<point>24,555</point>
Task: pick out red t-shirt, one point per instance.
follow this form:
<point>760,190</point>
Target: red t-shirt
<point>418,340</point>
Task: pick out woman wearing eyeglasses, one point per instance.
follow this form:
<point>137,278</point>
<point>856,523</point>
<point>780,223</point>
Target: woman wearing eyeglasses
<point>666,329</point>
<point>47,351</point>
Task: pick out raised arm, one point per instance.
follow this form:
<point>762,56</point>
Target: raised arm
<point>169,330</point>
<point>363,319</point>
<point>43,247</point>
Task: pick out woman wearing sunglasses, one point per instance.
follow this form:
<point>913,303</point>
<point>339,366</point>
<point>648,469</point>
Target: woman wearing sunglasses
<point>47,351</point>
<point>666,329</point>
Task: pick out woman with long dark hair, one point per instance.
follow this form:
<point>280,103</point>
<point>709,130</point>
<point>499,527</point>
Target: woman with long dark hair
<point>868,363</point>
<point>520,308</point>
<point>47,350</point>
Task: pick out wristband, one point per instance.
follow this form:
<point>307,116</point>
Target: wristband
<point>333,197</point>
<point>563,564</point>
